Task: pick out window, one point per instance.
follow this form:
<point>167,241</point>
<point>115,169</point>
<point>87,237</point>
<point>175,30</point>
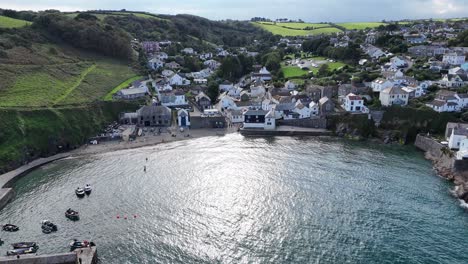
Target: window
<point>269,124</point>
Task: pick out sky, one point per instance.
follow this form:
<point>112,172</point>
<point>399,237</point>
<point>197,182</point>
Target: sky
<point>307,10</point>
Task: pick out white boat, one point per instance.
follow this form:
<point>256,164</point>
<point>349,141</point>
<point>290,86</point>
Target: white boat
<point>88,189</point>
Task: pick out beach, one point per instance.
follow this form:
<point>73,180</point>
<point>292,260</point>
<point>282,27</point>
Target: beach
<point>150,139</point>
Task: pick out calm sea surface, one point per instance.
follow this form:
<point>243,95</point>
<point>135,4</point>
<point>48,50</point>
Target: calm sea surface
<point>247,200</point>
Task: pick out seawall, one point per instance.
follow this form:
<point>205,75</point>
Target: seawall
<point>79,256</point>
<point>442,158</point>
<point>286,131</point>
<point>7,179</point>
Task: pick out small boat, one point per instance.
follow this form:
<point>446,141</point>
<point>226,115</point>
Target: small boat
<point>88,189</point>
<point>25,245</point>
<point>48,227</point>
<point>21,251</point>
<point>72,215</point>
<point>10,228</point>
<point>80,192</point>
<point>75,244</point>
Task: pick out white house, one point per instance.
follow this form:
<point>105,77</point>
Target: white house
<point>212,64</point>
<point>290,85</point>
<point>263,75</point>
<point>259,119</point>
<point>132,93</point>
<point>454,80</point>
<point>235,92</point>
<point>398,62</point>
<point>380,84</point>
<point>353,103</point>
<point>226,86</point>
<point>155,63</point>
<point>167,73</point>
<point>236,116</point>
<point>442,106</point>
<point>301,110</point>
<point>176,79</point>
<point>161,55</point>
<point>206,56</point>
<point>462,153</point>
<point>393,96</point>
<point>176,99</point>
<point>453,59</point>
<point>226,102</point>
<point>223,53</point>
<point>183,118</point>
<point>188,51</point>
<point>314,109</point>
<point>457,136</point>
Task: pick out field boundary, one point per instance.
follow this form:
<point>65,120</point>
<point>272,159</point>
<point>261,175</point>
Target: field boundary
<point>77,83</point>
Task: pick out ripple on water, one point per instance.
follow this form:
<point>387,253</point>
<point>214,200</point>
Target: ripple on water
<point>247,200</point>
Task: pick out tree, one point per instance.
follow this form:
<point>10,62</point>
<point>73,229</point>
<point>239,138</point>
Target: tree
<point>323,70</point>
<point>213,91</point>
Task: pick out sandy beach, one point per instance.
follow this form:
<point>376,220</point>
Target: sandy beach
<point>150,139</point>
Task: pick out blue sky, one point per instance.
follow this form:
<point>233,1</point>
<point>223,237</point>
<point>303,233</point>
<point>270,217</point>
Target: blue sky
<point>308,10</point>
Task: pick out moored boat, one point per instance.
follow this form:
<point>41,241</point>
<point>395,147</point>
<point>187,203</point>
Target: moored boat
<point>21,251</point>
<point>25,245</point>
<point>72,214</point>
<point>48,227</point>
<point>10,228</point>
<point>80,192</point>
<point>75,244</point>
<point>88,189</point>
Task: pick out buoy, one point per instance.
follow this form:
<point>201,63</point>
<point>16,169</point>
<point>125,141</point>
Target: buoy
<point>134,216</point>
<point>118,216</point>
<point>125,217</point>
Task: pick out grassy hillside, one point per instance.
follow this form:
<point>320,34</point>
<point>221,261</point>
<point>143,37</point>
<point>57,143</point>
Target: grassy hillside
<point>33,133</point>
<point>360,25</point>
<point>297,29</point>
<point>7,22</point>
<point>103,15</point>
<point>47,75</point>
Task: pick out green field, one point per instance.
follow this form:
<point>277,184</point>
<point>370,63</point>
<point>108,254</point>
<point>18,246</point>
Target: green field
<point>8,22</point>
<point>293,72</point>
<point>361,25</point>
<point>300,25</point>
<point>102,16</point>
<point>296,72</point>
<point>279,29</point>
<point>121,86</point>
<point>42,79</point>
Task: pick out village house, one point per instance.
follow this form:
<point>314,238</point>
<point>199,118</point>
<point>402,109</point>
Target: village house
<point>454,58</point>
<point>326,106</point>
<point>223,53</point>
<point>236,116</point>
<point>457,136</point>
<point>372,51</point>
<point>188,51</point>
<point>154,115</point>
<point>174,99</point>
<point>393,96</point>
<point>259,119</point>
<point>290,85</point>
<point>454,80</point>
<point>398,62</point>
<point>206,56</point>
<point>354,103</point>
<point>314,109</point>
<point>183,118</point>
<point>161,56</point>
<point>426,51</point>
<point>263,75</point>
<point>449,101</point>
<point>203,101</point>
<point>226,86</point>
<point>415,38</point>
<point>138,90</point>
<point>150,47</point>
<point>380,84</point>
<point>172,65</point>
<point>155,64</point>
<point>212,64</point>
<point>462,153</point>
<point>176,79</point>
<point>355,88</point>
